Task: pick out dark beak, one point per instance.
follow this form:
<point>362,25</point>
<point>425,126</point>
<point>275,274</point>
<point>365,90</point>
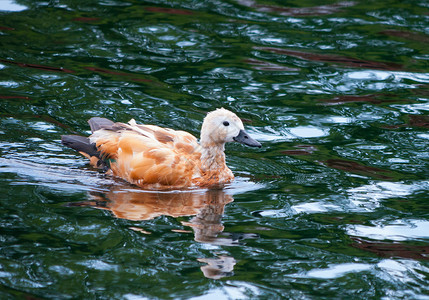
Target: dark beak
<point>245,139</point>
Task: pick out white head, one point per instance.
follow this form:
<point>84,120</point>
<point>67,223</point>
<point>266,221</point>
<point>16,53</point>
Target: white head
<point>221,126</point>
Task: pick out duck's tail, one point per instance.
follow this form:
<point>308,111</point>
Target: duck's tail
<point>84,146</point>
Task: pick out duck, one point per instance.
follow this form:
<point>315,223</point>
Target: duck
<point>157,158</point>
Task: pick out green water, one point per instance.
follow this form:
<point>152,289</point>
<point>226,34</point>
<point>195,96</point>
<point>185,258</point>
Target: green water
<point>333,206</point>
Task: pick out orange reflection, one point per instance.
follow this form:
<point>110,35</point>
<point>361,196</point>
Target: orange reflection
<point>206,207</point>
<point>140,205</point>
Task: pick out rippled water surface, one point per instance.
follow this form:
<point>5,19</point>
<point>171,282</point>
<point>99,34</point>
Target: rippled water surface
<point>334,205</point>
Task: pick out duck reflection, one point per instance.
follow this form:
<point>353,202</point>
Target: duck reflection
<point>206,207</point>
<point>218,268</point>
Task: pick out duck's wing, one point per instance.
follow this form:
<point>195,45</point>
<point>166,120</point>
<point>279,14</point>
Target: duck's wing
<point>147,154</point>
<point>97,123</point>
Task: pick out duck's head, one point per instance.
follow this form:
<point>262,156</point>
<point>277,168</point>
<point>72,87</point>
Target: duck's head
<point>221,126</point>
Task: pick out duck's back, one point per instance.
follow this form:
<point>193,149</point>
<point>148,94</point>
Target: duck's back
<point>147,155</point>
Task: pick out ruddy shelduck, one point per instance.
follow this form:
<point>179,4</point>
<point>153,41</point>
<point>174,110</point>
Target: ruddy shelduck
<point>152,157</point>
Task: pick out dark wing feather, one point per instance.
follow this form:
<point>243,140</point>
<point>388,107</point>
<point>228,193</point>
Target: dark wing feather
<point>98,123</point>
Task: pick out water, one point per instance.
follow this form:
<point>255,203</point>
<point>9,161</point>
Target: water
<point>333,206</point>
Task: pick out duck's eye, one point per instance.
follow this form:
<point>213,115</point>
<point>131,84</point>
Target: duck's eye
<point>225,123</point>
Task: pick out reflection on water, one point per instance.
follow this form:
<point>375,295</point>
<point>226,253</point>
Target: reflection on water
<point>217,268</point>
<point>400,230</point>
<point>11,5</point>
<point>205,206</point>
<point>336,271</point>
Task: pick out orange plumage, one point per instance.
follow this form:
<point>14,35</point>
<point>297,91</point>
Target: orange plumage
<point>160,158</point>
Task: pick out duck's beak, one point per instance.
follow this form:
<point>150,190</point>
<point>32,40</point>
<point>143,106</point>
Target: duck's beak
<point>244,138</point>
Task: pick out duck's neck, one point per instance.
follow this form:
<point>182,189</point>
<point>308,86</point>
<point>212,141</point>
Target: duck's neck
<point>213,157</point>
